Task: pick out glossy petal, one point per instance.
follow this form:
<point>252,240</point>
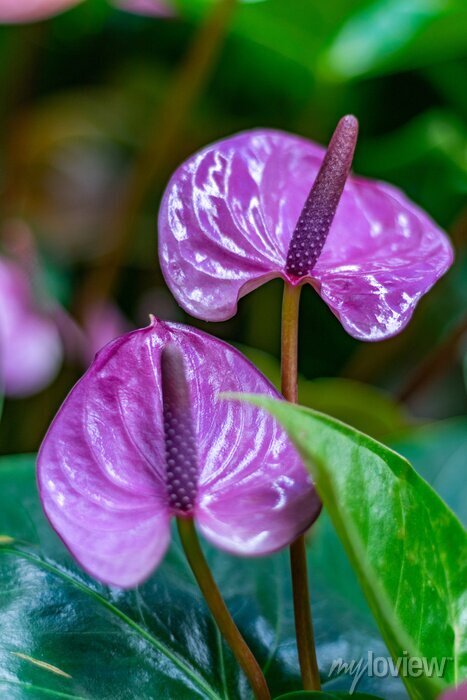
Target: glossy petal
<point>101,467</point>
<point>19,11</point>
<point>373,278</point>
<point>228,215</point>
<point>30,346</point>
<point>148,8</point>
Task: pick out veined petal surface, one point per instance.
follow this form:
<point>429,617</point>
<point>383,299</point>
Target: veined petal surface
<point>101,468</point>
<point>382,255</point>
<point>228,215</point>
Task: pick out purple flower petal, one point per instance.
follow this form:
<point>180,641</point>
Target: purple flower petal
<point>373,278</point>
<point>19,11</point>
<point>227,219</point>
<point>30,346</point>
<point>102,468</point>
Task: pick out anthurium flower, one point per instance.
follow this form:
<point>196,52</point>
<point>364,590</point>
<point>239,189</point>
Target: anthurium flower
<point>265,204</point>
<point>143,438</point>
<point>30,345</point>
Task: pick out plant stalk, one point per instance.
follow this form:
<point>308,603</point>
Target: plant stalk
<point>218,608</point>
<point>301,592</point>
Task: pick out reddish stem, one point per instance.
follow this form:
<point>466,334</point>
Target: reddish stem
<point>301,592</point>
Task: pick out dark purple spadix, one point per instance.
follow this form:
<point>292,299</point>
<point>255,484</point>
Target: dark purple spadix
<point>181,460</point>
<point>315,221</point>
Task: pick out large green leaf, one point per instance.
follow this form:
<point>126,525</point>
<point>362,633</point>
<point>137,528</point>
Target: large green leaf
<point>159,640</point>
<point>407,548</point>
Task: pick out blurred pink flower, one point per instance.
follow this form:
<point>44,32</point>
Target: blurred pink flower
<point>30,345</point>
<point>143,438</point>
<point>23,11</point>
<point>13,11</point>
<point>240,213</point>
<point>459,693</point>
<point>103,322</point>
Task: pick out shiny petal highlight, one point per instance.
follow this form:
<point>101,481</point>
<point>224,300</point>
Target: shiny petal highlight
<point>102,468</point>
<point>227,219</point>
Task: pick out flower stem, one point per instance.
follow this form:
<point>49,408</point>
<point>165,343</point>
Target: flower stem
<point>218,608</point>
<point>301,593</point>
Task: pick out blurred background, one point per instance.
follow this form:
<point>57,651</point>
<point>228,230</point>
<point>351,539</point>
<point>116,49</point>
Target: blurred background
<point>99,105</point>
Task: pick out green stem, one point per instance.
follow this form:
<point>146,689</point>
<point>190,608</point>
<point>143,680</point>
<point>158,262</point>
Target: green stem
<point>301,592</point>
<point>218,608</point>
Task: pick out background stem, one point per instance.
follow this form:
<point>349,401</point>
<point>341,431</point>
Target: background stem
<point>301,592</point>
<point>169,121</point>
<point>218,608</point>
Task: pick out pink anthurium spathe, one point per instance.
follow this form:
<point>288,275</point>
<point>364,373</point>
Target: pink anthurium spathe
<point>30,345</point>
<point>241,212</point>
<point>143,437</point>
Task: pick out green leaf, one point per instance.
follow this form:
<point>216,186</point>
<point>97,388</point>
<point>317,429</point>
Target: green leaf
<point>408,549</point>
<point>387,35</point>
<point>159,640</point>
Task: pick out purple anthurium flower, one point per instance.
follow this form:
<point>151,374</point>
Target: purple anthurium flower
<point>30,345</point>
<point>143,437</point>
<point>240,212</point>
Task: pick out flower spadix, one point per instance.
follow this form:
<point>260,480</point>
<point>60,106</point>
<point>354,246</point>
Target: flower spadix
<point>265,204</point>
<point>143,437</point>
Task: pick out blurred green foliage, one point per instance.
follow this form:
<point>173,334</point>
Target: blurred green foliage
<point>83,98</point>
